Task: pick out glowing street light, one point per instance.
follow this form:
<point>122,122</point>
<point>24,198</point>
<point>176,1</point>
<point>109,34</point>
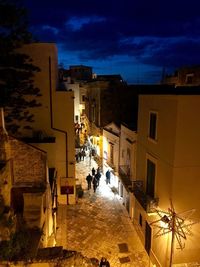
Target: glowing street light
<point>178,224</point>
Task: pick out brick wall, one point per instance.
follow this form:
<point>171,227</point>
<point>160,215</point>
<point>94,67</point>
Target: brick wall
<point>28,163</point>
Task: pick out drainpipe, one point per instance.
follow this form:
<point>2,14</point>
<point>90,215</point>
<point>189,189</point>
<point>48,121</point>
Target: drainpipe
<point>51,116</point>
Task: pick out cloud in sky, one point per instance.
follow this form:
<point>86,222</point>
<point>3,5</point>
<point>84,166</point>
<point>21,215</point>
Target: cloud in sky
<point>121,36</point>
<point>50,28</point>
<point>76,23</point>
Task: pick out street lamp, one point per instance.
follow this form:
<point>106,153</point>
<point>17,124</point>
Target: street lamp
<point>177,224</point>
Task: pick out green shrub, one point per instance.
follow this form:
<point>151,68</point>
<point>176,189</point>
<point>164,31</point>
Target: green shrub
<point>16,247</point>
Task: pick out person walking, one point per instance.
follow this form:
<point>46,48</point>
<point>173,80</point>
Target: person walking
<point>77,158</point>
<point>98,176</point>
<point>89,180</point>
<point>83,154</point>
<point>95,182</point>
<point>79,155</point>
<point>108,177</point>
<point>104,262</point>
<point>99,171</point>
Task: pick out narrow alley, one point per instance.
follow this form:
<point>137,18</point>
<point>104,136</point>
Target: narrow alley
<point>99,226</point>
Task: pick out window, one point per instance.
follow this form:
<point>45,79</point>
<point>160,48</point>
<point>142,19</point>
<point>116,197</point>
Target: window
<point>83,98</point>
<point>150,182</point>
<point>111,153</point>
<point>153,125</point>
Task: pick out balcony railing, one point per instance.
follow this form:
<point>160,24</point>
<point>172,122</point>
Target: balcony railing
<point>124,173</point>
<point>125,169</point>
<point>146,201</point>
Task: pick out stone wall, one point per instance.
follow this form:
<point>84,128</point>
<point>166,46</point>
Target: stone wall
<point>28,163</point>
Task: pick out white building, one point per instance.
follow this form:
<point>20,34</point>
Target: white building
<point>111,136</point>
<point>127,166</point>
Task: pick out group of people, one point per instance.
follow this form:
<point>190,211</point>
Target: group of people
<point>93,179</point>
<point>80,155</point>
<point>85,149</point>
<point>78,127</point>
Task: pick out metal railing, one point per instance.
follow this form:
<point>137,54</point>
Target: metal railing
<point>125,177</point>
<point>147,202</point>
<point>125,170</point>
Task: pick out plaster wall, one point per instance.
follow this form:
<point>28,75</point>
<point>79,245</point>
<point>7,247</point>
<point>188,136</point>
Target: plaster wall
<point>176,155</point>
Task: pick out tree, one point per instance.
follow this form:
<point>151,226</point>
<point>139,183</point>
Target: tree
<point>17,90</point>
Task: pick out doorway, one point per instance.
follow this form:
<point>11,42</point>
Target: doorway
<point>147,238</point>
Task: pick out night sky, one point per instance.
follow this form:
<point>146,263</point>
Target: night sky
<point>135,38</point>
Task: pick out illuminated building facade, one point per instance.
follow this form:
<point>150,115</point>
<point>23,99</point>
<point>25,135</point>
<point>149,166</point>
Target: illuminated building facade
<point>111,137</point>
<point>168,167</point>
<point>53,126</point>
<point>127,166</point>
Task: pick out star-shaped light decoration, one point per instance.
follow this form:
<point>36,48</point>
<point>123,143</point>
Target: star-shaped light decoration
<point>179,224</point>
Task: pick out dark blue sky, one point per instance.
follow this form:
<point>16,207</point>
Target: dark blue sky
<point>134,38</point>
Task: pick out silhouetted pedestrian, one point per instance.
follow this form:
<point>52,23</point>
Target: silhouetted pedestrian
<point>104,262</point>
<point>95,182</point>
<point>89,180</point>
<point>98,171</point>
<point>79,155</point>
<point>108,177</point>
<point>98,176</point>
<point>83,154</point>
<point>77,158</point>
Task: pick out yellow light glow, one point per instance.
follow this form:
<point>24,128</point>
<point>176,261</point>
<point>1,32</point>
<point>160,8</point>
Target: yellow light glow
<point>163,224</point>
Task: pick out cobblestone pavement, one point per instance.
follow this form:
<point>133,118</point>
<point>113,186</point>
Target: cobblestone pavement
<point>98,225</point>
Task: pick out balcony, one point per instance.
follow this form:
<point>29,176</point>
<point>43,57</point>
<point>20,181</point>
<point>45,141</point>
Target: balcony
<point>147,202</point>
<point>125,177</point>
